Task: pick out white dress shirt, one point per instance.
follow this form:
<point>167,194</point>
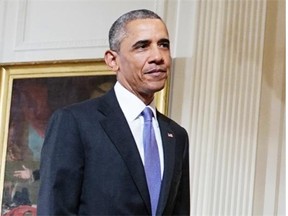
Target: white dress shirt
<point>132,107</point>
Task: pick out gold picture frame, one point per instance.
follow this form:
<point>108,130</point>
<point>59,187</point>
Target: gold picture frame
<point>24,87</point>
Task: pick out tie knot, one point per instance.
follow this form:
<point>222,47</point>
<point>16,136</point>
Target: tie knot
<point>147,114</point>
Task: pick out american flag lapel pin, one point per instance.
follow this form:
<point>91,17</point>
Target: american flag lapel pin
<point>170,135</point>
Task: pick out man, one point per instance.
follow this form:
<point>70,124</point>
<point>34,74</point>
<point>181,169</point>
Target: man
<point>94,158</point>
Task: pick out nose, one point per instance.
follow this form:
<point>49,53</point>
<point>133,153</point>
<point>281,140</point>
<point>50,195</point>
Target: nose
<point>156,55</point>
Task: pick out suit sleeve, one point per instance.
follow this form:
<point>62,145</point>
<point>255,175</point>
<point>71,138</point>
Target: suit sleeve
<point>182,206</point>
<point>61,167</point>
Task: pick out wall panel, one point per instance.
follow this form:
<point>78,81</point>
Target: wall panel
<point>36,30</point>
<point>221,87</point>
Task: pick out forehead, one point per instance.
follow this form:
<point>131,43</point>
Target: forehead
<point>146,27</point>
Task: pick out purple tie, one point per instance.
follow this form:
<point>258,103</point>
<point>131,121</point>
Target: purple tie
<point>152,161</point>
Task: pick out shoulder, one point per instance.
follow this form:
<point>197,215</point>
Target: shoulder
<point>89,109</point>
<point>87,106</point>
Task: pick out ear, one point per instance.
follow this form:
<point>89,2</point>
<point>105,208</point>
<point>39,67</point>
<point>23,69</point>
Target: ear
<point>110,58</point>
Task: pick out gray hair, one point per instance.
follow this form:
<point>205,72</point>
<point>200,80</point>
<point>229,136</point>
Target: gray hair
<point>118,28</point>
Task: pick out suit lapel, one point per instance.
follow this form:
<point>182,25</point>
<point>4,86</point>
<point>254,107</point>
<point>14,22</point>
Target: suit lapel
<point>117,128</point>
<point>168,140</point>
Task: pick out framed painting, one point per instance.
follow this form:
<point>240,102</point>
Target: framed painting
<point>29,94</point>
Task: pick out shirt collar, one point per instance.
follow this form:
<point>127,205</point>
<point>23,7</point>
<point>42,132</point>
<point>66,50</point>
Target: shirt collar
<point>130,104</point>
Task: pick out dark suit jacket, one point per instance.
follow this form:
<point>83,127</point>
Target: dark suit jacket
<point>90,164</point>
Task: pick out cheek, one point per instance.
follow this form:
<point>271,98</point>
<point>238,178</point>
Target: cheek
<point>140,62</point>
<point>134,62</point>
<point>168,59</point>
<point>135,66</point>
<point>131,71</point>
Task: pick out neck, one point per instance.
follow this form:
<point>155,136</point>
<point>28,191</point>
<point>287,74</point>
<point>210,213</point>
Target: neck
<point>146,98</point>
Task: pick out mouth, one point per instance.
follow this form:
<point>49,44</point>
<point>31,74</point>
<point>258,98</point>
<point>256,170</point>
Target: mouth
<point>155,71</point>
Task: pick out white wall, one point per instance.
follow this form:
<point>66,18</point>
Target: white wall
<point>38,30</point>
<point>222,82</point>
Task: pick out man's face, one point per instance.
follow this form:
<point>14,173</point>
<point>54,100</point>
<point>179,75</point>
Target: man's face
<point>144,57</point>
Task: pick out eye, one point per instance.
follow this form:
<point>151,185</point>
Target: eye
<point>140,45</point>
<point>164,44</point>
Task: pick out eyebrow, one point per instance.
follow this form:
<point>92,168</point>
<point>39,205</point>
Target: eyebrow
<point>164,40</point>
<point>140,43</point>
<point>147,42</point>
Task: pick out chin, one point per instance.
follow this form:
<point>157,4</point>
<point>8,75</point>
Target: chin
<point>156,88</point>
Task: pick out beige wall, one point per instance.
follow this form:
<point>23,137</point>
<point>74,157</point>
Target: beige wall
<point>269,189</point>
<point>229,92</point>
